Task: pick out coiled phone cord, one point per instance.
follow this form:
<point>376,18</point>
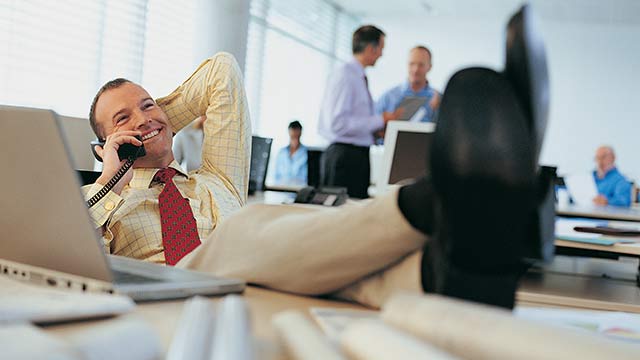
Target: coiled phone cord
<point>114,180</point>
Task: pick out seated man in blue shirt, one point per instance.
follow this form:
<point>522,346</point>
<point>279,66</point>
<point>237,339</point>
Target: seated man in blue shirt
<point>613,187</point>
<point>417,85</point>
<point>291,162</point>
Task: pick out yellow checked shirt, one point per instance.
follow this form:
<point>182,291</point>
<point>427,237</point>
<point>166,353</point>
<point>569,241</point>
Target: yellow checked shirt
<point>215,191</point>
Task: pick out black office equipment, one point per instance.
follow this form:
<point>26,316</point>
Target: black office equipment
<point>260,152</point>
<point>87,176</point>
<point>326,196</point>
<point>314,156</point>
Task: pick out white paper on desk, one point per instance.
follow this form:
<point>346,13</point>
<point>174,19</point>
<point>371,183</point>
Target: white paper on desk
<point>333,321</point>
<point>24,341</point>
<point>417,117</point>
<point>582,188</point>
<point>614,325</point>
<point>26,302</point>
<point>128,338</point>
<point>565,228</point>
<point>121,338</point>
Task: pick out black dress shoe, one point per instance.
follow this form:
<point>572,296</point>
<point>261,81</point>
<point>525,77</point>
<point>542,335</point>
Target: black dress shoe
<point>484,180</point>
<point>491,201</point>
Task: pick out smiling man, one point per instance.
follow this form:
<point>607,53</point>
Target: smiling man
<point>132,215</point>
<point>417,85</point>
<point>362,251</point>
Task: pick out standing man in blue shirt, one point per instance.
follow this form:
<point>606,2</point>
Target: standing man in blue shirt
<point>613,187</point>
<point>291,162</point>
<point>417,85</point>
<point>347,118</point>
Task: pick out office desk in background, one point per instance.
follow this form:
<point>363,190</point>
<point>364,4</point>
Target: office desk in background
<point>599,212</point>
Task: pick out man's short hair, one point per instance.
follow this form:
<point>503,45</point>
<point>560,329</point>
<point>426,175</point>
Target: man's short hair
<point>422,47</point>
<point>365,35</point>
<point>295,125</point>
<point>112,84</point>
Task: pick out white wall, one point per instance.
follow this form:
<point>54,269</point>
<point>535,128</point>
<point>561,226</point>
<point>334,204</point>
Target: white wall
<point>220,25</point>
<point>594,72</point>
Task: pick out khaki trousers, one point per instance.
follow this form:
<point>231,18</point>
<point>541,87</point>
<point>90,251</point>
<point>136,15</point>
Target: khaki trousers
<point>359,251</point>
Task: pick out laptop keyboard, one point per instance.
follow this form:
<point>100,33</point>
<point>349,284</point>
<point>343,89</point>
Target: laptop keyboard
<point>120,277</point>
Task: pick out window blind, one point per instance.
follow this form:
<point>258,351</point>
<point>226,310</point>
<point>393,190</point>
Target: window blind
<point>291,48</point>
<point>56,54</point>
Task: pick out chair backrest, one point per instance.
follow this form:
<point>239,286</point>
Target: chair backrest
<point>314,156</point>
<point>88,176</point>
<point>634,192</point>
<point>260,152</point>
<point>78,134</point>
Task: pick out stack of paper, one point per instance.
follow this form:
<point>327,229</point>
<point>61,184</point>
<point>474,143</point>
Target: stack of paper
<point>21,301</point>
<point>122,338</point>
<point>416,326</point>
<point>22,304</point>
<point>582,188</point>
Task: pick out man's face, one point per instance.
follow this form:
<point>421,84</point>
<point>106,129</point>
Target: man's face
<point>294,135</point>
<point>419,65</point>
<point>376,51</point>
<point>604,159</point>
<point>130,107</point>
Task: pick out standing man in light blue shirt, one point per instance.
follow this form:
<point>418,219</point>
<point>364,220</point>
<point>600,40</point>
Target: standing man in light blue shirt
<point>417,85</point>
<point>347,118</point>
<point>613,188</point>
<point>291,162</point>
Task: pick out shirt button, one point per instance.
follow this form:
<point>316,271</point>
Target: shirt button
<point>109,205</point>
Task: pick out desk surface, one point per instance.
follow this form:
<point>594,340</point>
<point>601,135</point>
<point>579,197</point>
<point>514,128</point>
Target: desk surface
<point>578,291</point>
<point>163,316</point>
<point>599,212</point>
<point>536,290</point>
<point>632,249</point>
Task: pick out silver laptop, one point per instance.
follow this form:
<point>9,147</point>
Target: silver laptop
<point>47,236</point>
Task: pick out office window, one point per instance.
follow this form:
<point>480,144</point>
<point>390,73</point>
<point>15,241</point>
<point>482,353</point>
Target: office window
<point>291,48</point>
<point>56,54</point>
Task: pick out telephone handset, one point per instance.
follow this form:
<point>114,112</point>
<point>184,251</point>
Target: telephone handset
<point>127,152</point>
<point>124,151</point>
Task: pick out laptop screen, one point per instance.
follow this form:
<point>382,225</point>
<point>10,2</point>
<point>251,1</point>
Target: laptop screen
<point>45,222</point>
<point>406,152</point>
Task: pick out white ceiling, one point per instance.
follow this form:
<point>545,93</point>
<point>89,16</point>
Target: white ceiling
<point>584,11</point>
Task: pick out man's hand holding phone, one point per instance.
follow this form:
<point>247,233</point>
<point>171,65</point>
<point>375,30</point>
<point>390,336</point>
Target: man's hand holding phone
<point>111,161</point>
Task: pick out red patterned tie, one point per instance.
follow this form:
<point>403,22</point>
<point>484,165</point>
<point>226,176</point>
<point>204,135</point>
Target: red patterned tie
<point>179,230</point>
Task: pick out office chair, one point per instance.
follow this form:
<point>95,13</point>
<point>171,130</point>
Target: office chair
<point>260,153</point>
<point>314,156</point>
<point>88,176</point>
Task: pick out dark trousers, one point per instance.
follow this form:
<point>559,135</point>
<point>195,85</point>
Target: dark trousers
<point>347,166</point>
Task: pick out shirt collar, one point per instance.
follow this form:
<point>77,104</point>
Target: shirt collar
<point>142,177</point>
<point>407,87</point>
<point>355,64</point>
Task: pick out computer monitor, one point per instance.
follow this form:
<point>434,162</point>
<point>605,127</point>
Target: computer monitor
<point>406,149</point>
<point>260,151</point>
